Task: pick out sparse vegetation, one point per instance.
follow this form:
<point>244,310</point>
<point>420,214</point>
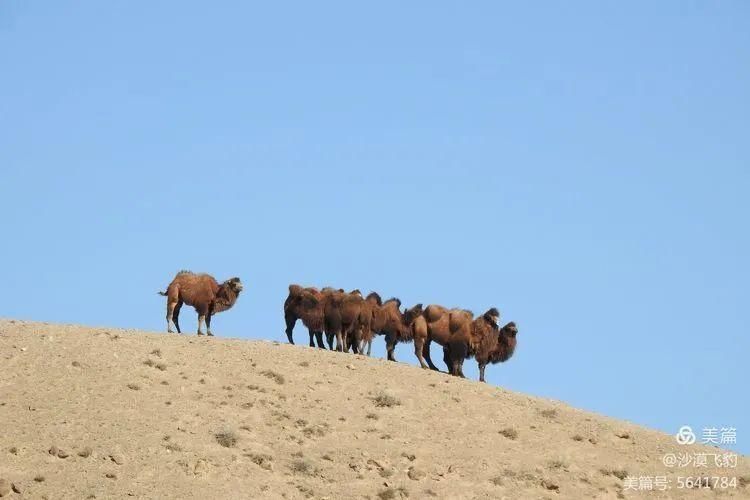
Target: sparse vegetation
<point>577,437</point>
<point>557,464</point>
<point>549,413</point>
<point>301,467</point>
<point>509,433</point>
<point>227,438</point>
<point>384,400</point>
<point>156,352</point>
<point>13,450</point>
<point>391,493</point>
<point>134,387</point>
<point>275,376</point>
<point>39,478</point>
<point>261,460</point>
<point>304,364</point>
<point>149,362</point>
<point>173,446</point>
<point>372,416</point>
<point>620,474</point>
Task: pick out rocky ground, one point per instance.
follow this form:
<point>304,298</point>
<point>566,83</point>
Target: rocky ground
<point>111,413</point>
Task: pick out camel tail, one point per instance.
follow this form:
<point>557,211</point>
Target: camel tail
<point>163,294</point>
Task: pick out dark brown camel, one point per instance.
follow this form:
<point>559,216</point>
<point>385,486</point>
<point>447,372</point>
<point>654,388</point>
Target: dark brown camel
<point>503,349</point>
<point>435,324</point>
<point>388,320</point>
<point>203,293</point>
<point>469,338</point>
<point>305,304</point>
<point>341,317</point>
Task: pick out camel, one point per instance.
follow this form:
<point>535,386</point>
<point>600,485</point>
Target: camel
<point>305,304</point>
<point>487,345</point>
<point>341,317</point>
<point>436,324</point>
<point>498,352</point>
<point>387,319</point>
<point>202,292</point>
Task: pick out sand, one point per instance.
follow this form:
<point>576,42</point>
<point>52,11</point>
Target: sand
<point>112,413</point>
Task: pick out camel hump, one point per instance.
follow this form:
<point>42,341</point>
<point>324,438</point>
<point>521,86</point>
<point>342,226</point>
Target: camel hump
<point>294,289</point>
<point>433,312</point>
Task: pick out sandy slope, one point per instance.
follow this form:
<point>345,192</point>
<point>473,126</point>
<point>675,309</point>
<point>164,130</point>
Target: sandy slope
<point>134,414</point>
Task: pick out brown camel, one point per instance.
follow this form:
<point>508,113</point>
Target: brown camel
<point>387,319</point>
<point>477,337</point>
<point>341,318</point>
<point>503,349</point>
<point>203,293</point>
<point>305,304</point>
<point>436,324</point>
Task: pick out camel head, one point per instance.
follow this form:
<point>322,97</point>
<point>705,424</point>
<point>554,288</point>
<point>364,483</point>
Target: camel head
<point>356,292</point>
<point>510,330</point>
<point>492,316</point>
<point>234,284</point>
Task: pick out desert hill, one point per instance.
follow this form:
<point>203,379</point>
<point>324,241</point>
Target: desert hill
<point>112,413</point>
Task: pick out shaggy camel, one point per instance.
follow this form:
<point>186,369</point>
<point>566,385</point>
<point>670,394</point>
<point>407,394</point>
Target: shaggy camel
<point>436,324</point>
<point>480,338</point>
<point>502,350</point>
<point>387,319</point>
<point>342,314</point>
<point>306,304</point>
<point>203,293</point>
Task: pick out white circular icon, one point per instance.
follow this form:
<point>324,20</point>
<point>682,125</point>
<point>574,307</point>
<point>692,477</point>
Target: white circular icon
<point>685,435</point>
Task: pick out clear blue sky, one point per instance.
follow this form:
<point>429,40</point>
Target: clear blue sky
<point>583,166</point>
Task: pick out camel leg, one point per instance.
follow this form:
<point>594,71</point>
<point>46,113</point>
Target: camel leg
<point>339,341</point>
<point>369,346</point>
<point>447,359</point>
<point>318,338</point>
<point>481,371</point>
<point>312,338</point>
<point>201,319</point>
<point>176,316</point>
<point>426,354</point>
<point>419,352</point>
<point>290,320</point>
<point>390,346</point>
<point>208,325</point>
<point>170,314</point>
<point>329,340</point>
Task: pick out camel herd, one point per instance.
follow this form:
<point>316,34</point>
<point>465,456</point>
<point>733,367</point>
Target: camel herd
<point>354,320</point>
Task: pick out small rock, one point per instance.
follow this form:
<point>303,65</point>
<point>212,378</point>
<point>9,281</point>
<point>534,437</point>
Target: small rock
<point>116,458</point>
<point>416,474</point>
<point>110,475</point>
<point>62,454</point>
<point>23,349</point>
<point>15,488</point>
<point>53,450</point>
<point>351,367</point>
<point>4,487</point>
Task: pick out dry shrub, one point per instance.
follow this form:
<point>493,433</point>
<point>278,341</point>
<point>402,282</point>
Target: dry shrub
<point>391,493</point>
<point>620,474</point>
<point>302,467</point>
<point>509,433</point>
<point>384,400</point>
<point>227,438</point>
<point>275,376</point>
